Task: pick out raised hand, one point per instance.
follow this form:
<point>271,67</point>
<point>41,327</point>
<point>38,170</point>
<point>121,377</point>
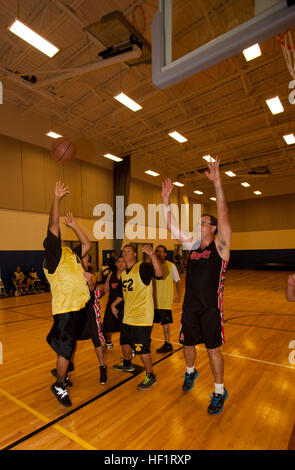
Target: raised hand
<point>148,249</point>
<point>60,190</point>
<point>166,190</point>
<point>69,220</point>
<point>213,173</point>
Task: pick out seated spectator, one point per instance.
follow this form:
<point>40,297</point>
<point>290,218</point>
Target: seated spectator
<point>33,280</point>
<point>18,279</point>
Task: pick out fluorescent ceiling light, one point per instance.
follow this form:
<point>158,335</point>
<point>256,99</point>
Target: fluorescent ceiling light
<point>198,192</point>
<point>208,158</point>
<point>252,52</point>
<point>275,105</point>
<point>113,157</point>
<point>152,173</point>
<point>246,185</point>
<point>289,139</point>
<point>175,135</point>
<point>54,135</point>
<point>257,192</point>
<point>176,183</point>
<point>124,99</point>
<point>230,173</point>
<point>213,198</point>
<point>28,35</point>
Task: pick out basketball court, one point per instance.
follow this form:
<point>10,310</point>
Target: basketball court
<point>182,62</point>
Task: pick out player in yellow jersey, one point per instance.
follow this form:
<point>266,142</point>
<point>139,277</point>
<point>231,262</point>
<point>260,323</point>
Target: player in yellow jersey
<point>137,292</point>
<point>163,296</point>
<point>70,294</point>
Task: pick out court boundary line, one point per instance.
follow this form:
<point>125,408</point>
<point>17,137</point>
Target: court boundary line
<point>237,356</point>
<point>29,315</point>
<point>81,406</point>
<point>43,418</point>
<point>259,326</point>
<point>26,305</point>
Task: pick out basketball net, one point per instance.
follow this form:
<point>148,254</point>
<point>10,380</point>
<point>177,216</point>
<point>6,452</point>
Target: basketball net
<point>286,42</point>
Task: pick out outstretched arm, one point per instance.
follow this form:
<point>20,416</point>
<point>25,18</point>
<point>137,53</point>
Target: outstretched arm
<point>60,191</point>
<point>155,261</point>
<point>86,245</point>
<point>290,291</point>
<point>223,238</point>
<point>172,225</point>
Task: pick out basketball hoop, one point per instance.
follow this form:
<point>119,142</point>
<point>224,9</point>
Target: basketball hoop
<point>286,42</point>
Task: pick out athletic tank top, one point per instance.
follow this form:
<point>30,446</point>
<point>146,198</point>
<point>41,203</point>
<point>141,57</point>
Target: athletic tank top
<point>68,286</point>
<point>138,298</point>
<point>164,288</point>
<point>205,278</point>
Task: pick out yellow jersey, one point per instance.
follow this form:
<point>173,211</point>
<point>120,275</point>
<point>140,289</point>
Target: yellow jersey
<point>68,286</point>
<point>164,288</point>
<point>138,298</point>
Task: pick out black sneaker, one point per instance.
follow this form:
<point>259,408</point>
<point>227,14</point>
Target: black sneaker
<point>189,380</point>
<point>67,379</point>
<point>148,381</point>
<point>167,347</point>
<point>217,402</point>
<point>121,367</point>
<point>61,393</point>
<point>103,375</point>
<point>109,345</point>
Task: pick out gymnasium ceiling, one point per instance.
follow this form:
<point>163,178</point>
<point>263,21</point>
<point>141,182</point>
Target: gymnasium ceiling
<point>221,111</point>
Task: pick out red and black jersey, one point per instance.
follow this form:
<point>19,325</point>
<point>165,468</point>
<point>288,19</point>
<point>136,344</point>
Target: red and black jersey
<point>205,278</point>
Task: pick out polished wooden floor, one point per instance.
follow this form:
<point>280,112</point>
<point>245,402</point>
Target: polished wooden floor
<point>260,379</point>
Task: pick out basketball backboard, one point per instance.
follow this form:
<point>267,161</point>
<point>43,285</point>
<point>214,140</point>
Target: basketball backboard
<point>192,35</point>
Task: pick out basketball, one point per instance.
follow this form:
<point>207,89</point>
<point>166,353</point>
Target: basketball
<point>63,150</point>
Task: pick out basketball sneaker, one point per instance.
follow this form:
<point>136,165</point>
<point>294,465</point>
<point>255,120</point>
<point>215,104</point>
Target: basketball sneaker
<point>148,381</point>
<point>61,393</point>
<point>121,367</point>
<point>103,375</point>
<point>189,380</point>
<point>109,345</point>
<point>217,402</point>
<point>167,347</point>
<point>67,379</point>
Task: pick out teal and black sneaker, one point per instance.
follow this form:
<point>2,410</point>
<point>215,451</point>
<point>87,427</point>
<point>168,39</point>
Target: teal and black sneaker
<point>217,402</point>
<point>189,380</point>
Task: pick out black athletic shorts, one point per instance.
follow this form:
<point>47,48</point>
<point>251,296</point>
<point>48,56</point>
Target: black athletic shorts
<point>163,316</point>
<point>66,330</point>
<point>138,337</point>
<point>111,324</point>
<point>202,325</point>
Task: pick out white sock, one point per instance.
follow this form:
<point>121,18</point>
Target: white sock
<point>190,370</point>
<point>219,388</point>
